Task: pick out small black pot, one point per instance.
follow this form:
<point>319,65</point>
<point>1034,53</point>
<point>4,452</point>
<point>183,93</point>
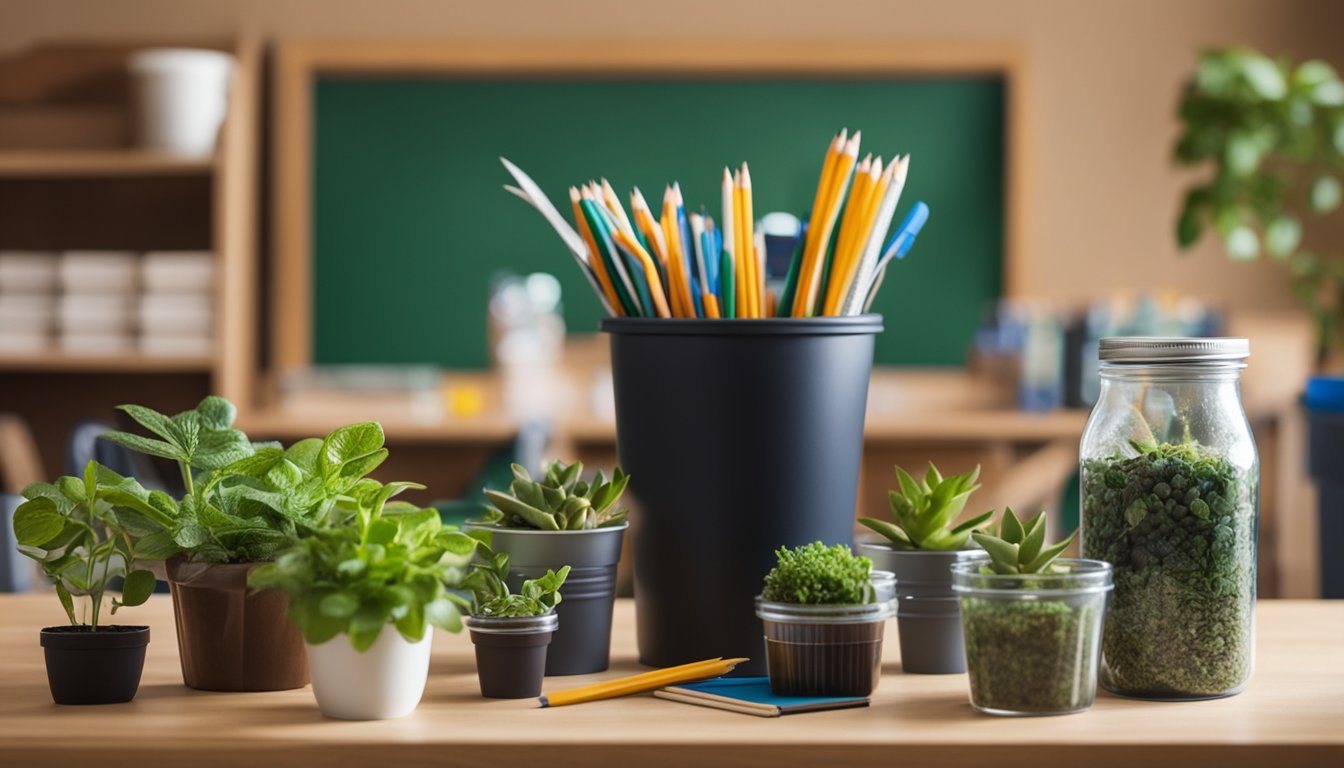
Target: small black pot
<point>87,667</point>
<point>583,643</point>
<point>511,654</point>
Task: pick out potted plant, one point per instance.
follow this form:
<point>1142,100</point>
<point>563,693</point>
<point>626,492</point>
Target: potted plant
<point>79,530</point>
<point>561,520</point>
<point>511,631</point>
<point>921,544</point>
<point>365,591</point>
<point>243,504</point>
<point>1032,622</point>
<point>823,622</point>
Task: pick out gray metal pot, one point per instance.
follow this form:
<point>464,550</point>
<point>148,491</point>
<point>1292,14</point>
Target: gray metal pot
<point>928,615</point>
<point>582,643</point>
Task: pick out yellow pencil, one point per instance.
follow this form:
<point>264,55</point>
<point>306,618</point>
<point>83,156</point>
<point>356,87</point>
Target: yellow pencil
<point>711,303</point>
<point>864,199</point>
<point>839,180</point>
<point>814,222</point>
<point>748,238</point>
<point>647,681</point>
<point>650,271</point>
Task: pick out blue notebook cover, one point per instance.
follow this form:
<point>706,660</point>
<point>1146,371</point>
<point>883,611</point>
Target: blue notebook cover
<point>752,695</point>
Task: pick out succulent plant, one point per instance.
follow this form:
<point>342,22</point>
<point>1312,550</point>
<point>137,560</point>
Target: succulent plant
<point>560,501</point>
<point>924,510</point>
<point>1020,548</point>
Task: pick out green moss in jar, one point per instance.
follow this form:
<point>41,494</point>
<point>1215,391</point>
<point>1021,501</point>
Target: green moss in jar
<point>1178,524</point>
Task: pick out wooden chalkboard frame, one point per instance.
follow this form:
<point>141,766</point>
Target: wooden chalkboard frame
<point>298,64</point>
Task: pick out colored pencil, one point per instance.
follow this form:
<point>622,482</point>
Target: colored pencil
<point>641,683</point>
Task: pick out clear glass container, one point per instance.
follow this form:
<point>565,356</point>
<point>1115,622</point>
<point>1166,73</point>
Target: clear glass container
<point>1170,498</point>
<point>1032,638</point>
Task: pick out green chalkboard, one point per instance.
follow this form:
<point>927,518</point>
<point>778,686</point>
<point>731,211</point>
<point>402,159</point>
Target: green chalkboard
<point>410,220</point>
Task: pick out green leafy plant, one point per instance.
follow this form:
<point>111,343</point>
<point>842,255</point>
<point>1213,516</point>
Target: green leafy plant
<point>924,511</point>
<point>815,574</point>
<point>560,501</point>
<point>1020,548</point>
<point>81,531</point>
<point>1177,522</point>
<point>491,598</point>
<point>380,563</point>
<point>245,502</point>
<point>1273,133</point>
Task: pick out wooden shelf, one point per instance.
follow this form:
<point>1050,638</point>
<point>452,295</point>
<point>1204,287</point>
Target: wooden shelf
<point>56,362</point>
<point>35,163</point>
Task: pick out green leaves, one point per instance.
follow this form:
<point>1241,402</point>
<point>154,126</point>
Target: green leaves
<point>37,521</point>
<point>84,531</point>
<point>487,582</point>
<point>1020,548</point>
<point>244,502</point>
<point>1273,136</point>
<point>815,574</point>
<point>559,502</point>
<point>924,510</point>
<point>377,563</point>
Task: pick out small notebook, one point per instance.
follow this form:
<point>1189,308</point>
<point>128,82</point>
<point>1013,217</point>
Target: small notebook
<point>752,696</point>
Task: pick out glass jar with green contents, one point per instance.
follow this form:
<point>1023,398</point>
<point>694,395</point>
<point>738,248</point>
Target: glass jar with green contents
<point>1170,498</point>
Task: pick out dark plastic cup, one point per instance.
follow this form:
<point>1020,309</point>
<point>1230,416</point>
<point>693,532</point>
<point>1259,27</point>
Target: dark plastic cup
<point>103,667</point>
<point>511,654</point>
<point>740,437</point>
<point>824,650</point>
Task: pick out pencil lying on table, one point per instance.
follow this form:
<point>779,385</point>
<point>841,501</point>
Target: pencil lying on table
<point>647,681</point>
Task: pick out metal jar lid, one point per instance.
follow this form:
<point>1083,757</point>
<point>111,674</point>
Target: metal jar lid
<point>1173,349</point>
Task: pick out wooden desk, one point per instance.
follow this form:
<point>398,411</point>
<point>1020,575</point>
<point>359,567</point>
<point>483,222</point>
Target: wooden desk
<point>1290,715</point>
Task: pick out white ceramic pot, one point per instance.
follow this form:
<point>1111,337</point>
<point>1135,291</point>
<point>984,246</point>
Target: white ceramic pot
<point>181,96</point>
<point>383,682</point>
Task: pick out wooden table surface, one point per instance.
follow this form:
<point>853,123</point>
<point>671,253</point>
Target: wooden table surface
<point>1292,714</point>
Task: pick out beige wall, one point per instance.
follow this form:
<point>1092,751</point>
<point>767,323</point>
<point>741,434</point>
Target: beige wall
<point>1103,82</point>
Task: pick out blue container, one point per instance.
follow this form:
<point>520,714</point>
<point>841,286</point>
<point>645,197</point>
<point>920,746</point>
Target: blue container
<point>1325,461</point>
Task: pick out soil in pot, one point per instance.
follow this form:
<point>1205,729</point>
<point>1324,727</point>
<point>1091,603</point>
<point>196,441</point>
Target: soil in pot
<point>231,638</point>
<point>511,654</point>
<point>88,667</point>
<point>823,650</point>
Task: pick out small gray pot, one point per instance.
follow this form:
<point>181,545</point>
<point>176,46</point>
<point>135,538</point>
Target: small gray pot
<point>582,643</point>
<point>928,613</point>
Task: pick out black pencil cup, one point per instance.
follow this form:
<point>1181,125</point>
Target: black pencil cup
<point>740,437</point>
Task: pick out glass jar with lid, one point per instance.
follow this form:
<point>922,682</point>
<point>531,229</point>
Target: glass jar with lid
<point>1170,498</point>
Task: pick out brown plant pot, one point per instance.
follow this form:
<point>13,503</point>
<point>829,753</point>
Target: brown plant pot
<point>823,650</point>
<point>229,637</point>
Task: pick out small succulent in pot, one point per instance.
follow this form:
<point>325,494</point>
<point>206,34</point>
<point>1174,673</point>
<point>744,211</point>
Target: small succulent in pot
<point>560,519</point>
<point>82,533</point>
<point>366,592</point>
<point>1032,622</point>
<point>511,630</point>
<point>823,622</point>
<point>560,501</point>
<point>920,543</point>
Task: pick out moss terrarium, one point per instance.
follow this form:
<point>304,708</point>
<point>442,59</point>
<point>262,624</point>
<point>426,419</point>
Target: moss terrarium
<point>1032,622</point>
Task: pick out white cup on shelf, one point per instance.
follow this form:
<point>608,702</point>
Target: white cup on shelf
<point>181,96</point>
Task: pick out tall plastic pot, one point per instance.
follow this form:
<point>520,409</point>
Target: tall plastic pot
<point>740,437</point>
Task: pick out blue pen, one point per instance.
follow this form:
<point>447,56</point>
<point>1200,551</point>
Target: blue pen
<point>688,253</point>
<point>905,236</point>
